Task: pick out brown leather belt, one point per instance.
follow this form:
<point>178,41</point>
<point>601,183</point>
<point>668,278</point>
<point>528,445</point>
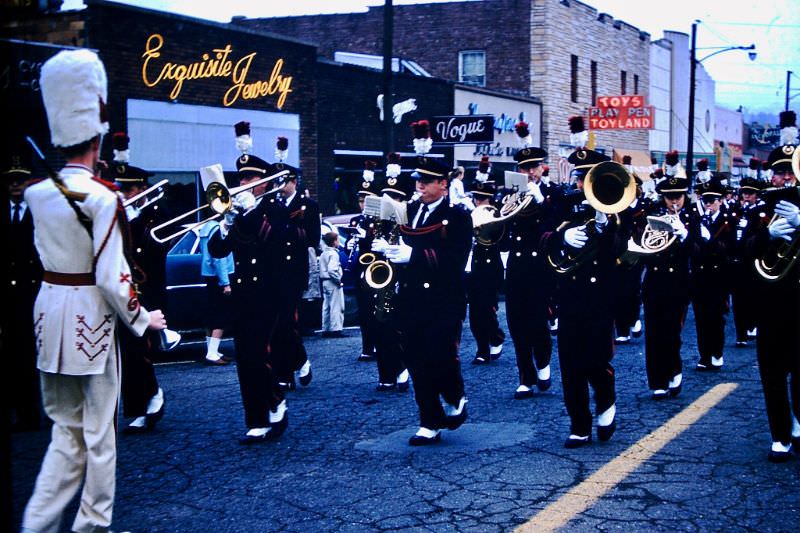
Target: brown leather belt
<point>73,280</point>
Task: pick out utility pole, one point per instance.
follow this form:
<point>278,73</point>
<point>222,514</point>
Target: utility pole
<point>388,96</point>
<point>788,81</point>
<point>690,138</point>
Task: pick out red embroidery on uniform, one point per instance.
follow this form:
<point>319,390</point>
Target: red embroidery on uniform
<point>80,333</point>
<point>124,278</point>
<point>82,321</point>
<point>37,330</point>
<point>91,356</point>
<point>133,304</point>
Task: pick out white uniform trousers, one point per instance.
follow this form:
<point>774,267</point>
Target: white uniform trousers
<point>82,449</point>
<point>332,306</point>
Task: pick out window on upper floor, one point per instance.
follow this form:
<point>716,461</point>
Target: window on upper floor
<point>623,82</point>
<point>635,84</point>
<point>594,82</point>
<point>472,67</point>
<point>574,78</point>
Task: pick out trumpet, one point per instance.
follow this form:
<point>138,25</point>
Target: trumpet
<point>220,200</point>
<point>151,195</point>
<point>781,255</point>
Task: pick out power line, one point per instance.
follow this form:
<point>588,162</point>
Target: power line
<point>754,24</point>
<point>776,85</point>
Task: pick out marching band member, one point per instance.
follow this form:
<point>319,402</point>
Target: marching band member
<point>709,275</point>
<point>665,287</point>
<point>485,279</point>
<point>528,280</point>
<point>585,294</point>
<point>253,234</point>
<point>778,341</point>
<point>743,276</point>
<point>366,318</point>
<point>142,397</point>
<point>628,275</point>
<point>24,270</point>
<point>431,301</point>
<point>302,231</point>
<point>86,285</point>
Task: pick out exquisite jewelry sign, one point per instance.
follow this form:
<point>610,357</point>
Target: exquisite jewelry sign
<point>219,63</point>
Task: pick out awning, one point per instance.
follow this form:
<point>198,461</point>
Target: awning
<point>640,161</point>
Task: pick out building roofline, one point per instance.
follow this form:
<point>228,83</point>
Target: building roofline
<point>205,22</point>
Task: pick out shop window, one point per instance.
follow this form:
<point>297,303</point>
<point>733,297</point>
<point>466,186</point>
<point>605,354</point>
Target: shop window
<point>574,78</point>
<point>472,67</point>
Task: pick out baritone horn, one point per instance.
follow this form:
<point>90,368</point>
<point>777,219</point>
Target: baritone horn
<point>780,255</point>
<point>610,189</point>
<point>219,199</point>
<point>488,222</point>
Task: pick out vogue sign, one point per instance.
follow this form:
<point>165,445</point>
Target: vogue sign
<point>462,129</point>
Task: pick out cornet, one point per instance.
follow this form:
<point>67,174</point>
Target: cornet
<point>220,200</point>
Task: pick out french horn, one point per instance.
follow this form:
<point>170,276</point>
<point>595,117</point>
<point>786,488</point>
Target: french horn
<point>781,255</point>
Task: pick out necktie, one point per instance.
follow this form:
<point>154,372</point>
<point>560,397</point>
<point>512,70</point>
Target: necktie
<point>422,212</point>
<point>15,219</point>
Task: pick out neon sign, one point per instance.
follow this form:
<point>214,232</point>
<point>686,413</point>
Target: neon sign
<point>216,64</point>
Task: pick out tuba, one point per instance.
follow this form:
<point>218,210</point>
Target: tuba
<point>781,255</point>
<point>610,189</point>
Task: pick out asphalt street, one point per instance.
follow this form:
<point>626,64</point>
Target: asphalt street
<point>344,464</point>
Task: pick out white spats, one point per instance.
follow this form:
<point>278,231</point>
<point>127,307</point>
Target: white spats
<point>403,377</point>
<point>495,350</point>
<point>543,374</point>
<point>138,422</point>
<point>455,410</point>
<point>717,361</point>
<point>795,427</point>
<point>779,447</point>
<point>675,382</point>
<point>257,432</point>
<point>277,415</point>
<point>156,402</point>
<point>523,388</point>
<point>607,416</point>
<point>427,433</point>
<point>305,369</point>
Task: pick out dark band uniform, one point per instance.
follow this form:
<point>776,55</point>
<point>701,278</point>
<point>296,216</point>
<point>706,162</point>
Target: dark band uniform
<point>529,281</point>
<point>300,232</point>
<point>254,240</point>
<point>431,301</point>
<point>586,319</point>
<point>23,272</point>
<point>139,382</point>
<point>665,295</point>
<point>709,279</point>
<point>484,283</point>
<point>778,337</point>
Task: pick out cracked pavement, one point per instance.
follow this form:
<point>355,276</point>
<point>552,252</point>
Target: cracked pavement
<point>344,464</point>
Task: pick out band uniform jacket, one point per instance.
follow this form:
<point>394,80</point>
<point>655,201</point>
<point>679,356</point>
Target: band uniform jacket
<point>431,286</point>
<point>710,260</point>
<point>74,324</point>
<point>22,267</point>
<point>302,231</point>
<point>486,268</point>
<point>150,256</point>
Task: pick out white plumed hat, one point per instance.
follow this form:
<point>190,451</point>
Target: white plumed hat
<point>75,91</point>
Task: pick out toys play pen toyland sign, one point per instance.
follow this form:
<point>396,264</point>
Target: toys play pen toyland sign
<point>621,113</point>
<point>218,63</point>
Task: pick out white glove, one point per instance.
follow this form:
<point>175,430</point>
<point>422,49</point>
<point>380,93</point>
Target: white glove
<point>230,216</point>
<point>679,229</point>
<point>704,233</point>
<point>535,190</point>
<point>398,253</point>
<point>781,229</point>
<point>379,245</point>
<point>245,201</point>
<point>600,220</point>
<point>132,212</point>
<point>789,211</point>
<point>576,237</point>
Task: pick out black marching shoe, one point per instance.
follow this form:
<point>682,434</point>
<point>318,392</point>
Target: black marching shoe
<point>778,457</point>
<point>425,437</point>
<point>676,385</point>
<point>703,366</point>
<point>287,385</point>
<point>157,404</point>
<point>304,374</point>
<point>384,387</point>
<point>543,379</point>
<point>365,358</point>
<point>604,433</point>
<point>255,436</point>
<point>523,392</point>
<point>660,394</point>
<point>577,441</point>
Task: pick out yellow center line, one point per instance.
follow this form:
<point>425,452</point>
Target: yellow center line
<point>584,495</point>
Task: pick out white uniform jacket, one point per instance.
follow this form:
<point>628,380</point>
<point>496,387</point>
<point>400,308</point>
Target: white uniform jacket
<point>75,324</point>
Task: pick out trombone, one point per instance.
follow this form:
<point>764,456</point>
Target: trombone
<point>220,200</point>
<point>152,194</point>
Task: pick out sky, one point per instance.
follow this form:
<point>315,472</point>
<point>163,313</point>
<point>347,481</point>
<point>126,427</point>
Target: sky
<point>759,86</point>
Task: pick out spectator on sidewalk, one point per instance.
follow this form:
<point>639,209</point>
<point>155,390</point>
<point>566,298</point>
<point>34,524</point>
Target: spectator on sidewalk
<point>330,272</point>
<point>215,274</point>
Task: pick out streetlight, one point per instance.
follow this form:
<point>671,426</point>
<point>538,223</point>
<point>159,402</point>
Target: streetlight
<point>694,61</point>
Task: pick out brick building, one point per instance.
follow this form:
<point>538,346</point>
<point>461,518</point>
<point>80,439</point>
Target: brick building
<point>562,52</point>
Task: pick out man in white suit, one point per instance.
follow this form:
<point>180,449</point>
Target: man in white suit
<point>87,285</point>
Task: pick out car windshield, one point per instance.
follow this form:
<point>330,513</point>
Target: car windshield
<point>186,245</point>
